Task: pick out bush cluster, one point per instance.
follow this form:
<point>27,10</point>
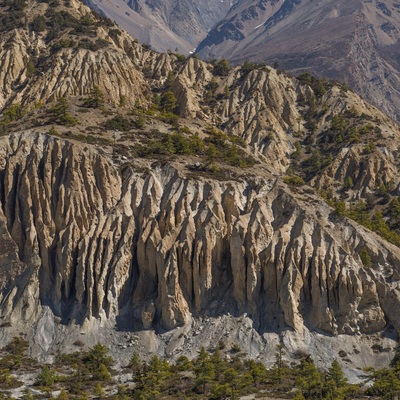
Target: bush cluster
<point>217,147</point>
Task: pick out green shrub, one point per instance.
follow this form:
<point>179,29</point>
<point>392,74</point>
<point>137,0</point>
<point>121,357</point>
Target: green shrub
<point>235,348</point>
<point>93,46</point>
<point>119,123</point>
<point>169,118</point>
<point>221,68</point>
<point>319,86</point>
<point>365,257</point>
<point>348,183</point>
<point>140,121</point>
<point>30,68</point>
<point>168,102</point>
<point>298,151</point>
<point>53,131</point>
<point>63,44</point>
<point>293,180</point>
<point>369,148</point>
<point>248,66</point>
<point>13,113</point>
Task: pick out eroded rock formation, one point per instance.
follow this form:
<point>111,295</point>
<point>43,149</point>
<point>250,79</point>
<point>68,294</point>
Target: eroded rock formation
<point>153,249</point>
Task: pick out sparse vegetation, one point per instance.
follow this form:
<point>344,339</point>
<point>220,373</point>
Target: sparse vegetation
<point>160,132</point>
<point>221,67</point>
<point>95,99</point>
<point>319,86</point>
<point>293,180</point>
<point>365,257</point>
<point>60,113</point>
<point>13,113</point>
<point>215,374</point>
<point>93,45</point>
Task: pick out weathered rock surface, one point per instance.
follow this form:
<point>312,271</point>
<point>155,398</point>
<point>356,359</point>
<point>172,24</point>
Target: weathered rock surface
<point>153,250</point>
<point>35,69</point>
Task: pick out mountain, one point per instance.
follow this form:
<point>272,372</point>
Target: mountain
<point>355,42</point>
<point>165,25</point>
<point>164,200</point>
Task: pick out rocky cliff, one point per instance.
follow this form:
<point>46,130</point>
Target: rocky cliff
<point>156,249</point>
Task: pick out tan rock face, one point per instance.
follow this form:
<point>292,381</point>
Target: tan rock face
<point>70,72</point>
<point>151,250</point>
<point>74,70</point>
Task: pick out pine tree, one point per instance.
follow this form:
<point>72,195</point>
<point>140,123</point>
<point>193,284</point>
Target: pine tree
<point>365,257</point>
<point>231,378</point>
<point>168,102</point>
<point>169,81</point>
<point>99,391</point>
<point>309,379</point>
<point>183,364</point>
<point>335,382</point>
<point>394,208</point>
<point>340,208</point>
<point>47,377</point>
<point>98,355</point>
<point>203,369</point>
<point>63,395</point>
<point>218,363</point>
<point>386,384</point>
<point>348,183</point>
<point>257,371</point>
<point>336,374</point>
<point>60,113</point>
<point>99,361</point>
<point>122,393</point>
<point>395,362</point>
<point>277,369</point>
<point>101,373</point>
<point>96,98</point>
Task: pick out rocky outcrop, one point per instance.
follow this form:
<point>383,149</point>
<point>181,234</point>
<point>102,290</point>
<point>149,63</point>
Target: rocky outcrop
<point>76,72</point>
<point>153,250</point>
<point>189,87</point>
<point>35,69</point>
<point>263,111</point>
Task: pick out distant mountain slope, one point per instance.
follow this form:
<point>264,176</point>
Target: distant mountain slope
<point>356,42</point>
<point>166,24</point>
